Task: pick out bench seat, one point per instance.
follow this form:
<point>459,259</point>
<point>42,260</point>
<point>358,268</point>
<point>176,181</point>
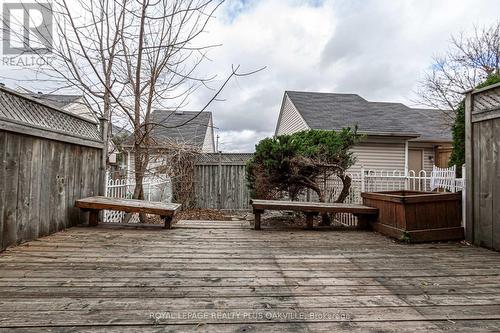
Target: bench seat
<point>95,204</point>
<point>310,209</point>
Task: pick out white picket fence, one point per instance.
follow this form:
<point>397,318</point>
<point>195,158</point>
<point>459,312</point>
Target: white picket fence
<point>155,189</point>
<point>382,180</point>
<point>389,180</point>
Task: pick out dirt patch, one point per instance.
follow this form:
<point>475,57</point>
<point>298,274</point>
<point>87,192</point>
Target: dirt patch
<point>270,219</point>
<point>291,220</point>
<point>202,214</point>
<point>196,214</point>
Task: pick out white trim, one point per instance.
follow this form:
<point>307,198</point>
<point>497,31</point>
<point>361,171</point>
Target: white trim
<point>406,157</point>
<point>287,98</point>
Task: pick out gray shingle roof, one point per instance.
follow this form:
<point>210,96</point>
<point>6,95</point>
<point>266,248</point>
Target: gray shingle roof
<point>119,130</point>
<point>33,115</point>
<point>59,101</point>
<point>192,131</point>
<point>334,111</point>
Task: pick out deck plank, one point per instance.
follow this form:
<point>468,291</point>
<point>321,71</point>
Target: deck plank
<point>224,277</point>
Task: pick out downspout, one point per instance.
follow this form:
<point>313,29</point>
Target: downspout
<point>104,157</point>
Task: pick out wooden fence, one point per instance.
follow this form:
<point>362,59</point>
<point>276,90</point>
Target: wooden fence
<point>220,181</point>
<point>43,170</point>
<point>482,122</point>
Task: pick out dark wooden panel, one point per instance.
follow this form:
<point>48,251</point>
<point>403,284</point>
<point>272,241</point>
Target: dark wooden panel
<point>483,170</point>
<point>11,176</point>
<point>45,167</point>
<point>496,183</point>
<point>424,217</point>
<point>476,181</point>
<point>221,186</point>
<point>24,188</point>
<point>40,180</point>
<point>36,193</point>
<point>3,138</point>
<point>485,186</point>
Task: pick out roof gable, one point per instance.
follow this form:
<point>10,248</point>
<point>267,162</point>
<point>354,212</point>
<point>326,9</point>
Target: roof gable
<point>182,127</point>
<point>331,111</point>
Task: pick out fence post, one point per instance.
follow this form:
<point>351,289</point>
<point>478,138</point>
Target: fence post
<point>464,196</point>
<point>219,183</point>
<point>363,185</point>
<point>106,185</point>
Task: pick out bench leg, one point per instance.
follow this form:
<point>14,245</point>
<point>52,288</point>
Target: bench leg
<point>167,220</point>
<point>364,222</point>
<point>93,217</point>
<point>309,220</point>
<point>257,214</point>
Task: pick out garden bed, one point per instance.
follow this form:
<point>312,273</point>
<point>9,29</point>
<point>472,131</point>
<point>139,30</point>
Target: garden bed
<point>417,216</point>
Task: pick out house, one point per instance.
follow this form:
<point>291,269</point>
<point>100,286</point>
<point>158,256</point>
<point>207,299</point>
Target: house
<point>75,104</point>
<point>191,128</point>
<point>397,137</point>
<point>78,105</point>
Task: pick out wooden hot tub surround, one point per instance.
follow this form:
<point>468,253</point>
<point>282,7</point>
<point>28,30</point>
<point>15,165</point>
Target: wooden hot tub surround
<point>417,216</point>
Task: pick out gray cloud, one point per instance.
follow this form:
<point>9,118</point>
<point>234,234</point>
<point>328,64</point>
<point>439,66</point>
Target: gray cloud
<point>378,49</point>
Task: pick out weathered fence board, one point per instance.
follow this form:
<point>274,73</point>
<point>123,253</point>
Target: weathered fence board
<point>41,180</point>
<point>482,160</point>
<point>221,187</point>
<point>48,159</point>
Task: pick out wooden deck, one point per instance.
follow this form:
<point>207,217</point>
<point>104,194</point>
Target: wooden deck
<point>226,277</point>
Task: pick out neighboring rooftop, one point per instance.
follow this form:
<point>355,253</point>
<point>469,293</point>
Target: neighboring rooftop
<point>76,104</point>
<point>331,111</point>
<point>58,100</point>
<point>119,130</point>
<point>188,127</point>
<point>32,115</point>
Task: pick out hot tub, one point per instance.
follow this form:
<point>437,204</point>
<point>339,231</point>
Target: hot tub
<point>417,216</point>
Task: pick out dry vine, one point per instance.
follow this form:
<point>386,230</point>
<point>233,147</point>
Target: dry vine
<point>177,160</point>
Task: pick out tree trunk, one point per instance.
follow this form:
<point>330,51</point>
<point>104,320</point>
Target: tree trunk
<point>346,186</point>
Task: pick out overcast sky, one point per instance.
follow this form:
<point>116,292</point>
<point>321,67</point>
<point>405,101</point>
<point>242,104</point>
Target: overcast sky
<point>376,48</point>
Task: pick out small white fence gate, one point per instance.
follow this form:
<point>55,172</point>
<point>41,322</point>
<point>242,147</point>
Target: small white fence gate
<point>155,189</point>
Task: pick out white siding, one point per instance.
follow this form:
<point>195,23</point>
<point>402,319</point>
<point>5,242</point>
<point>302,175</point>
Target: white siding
<point>130,165</point>
<point>80,108</point>
<point>429,153</point>
<point>379,155</point>
<point>208,143</point>
<point>429,159</point>
<point>290,120</point>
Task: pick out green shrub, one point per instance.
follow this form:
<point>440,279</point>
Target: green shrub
<point>458,129</point>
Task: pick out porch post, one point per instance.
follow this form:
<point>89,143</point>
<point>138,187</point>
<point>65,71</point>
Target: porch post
<point>363,185</point>
<point>406,166</point>
<point>469,227</point>
<point>464,198</point>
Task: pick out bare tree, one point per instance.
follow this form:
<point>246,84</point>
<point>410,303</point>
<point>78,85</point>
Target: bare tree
<point>469,60</point>
<point>131,57</point>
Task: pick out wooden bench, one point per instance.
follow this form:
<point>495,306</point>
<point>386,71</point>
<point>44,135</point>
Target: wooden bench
<point>95,204</point>
<point>364,213</point>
